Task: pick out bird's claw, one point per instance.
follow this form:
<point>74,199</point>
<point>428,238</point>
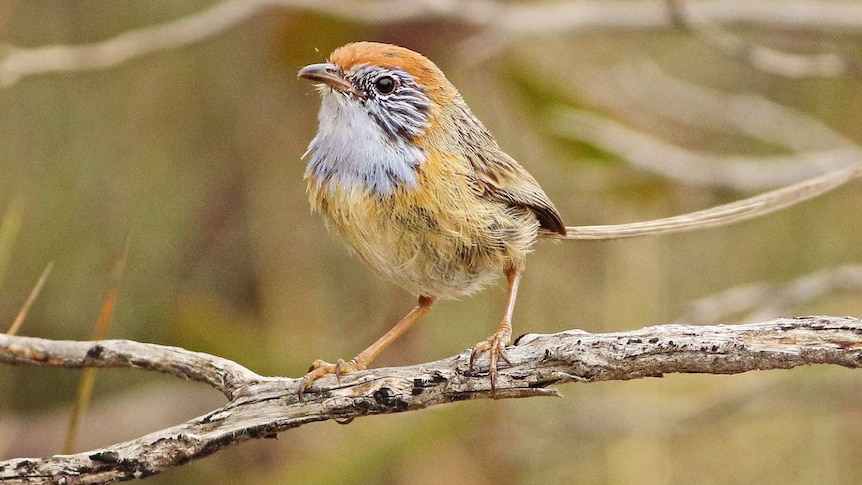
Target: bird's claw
<point>495,345</point>
<point>320,368</point>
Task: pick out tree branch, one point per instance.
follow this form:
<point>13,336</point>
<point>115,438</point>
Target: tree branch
<point>644,86</point>
<point>651,154</point>
<point>760,57</point>
<point>764,300</point>
<point>261,407</point>
<point>511,20</point>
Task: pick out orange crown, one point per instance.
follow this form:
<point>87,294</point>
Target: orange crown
<point>425,72</point>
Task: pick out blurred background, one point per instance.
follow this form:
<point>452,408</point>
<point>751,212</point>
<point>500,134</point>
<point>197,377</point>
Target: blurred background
<point>184,132</point>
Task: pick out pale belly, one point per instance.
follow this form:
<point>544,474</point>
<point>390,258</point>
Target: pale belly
<point>431,249</point>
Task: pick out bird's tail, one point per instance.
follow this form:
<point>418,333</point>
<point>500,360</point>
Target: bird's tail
<point>716,216</point>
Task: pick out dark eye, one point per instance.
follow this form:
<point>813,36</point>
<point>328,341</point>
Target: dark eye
<point>384,84</point>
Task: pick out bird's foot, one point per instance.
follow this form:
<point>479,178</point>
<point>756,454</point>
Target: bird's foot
<point>320,368</point>
<point>495,345</point>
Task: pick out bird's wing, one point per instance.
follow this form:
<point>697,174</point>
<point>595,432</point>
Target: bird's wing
<point>500,177</point>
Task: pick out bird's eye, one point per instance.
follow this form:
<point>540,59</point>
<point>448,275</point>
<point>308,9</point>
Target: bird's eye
<point>384,84</point>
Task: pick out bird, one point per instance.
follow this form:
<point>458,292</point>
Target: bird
<point>416,186</point>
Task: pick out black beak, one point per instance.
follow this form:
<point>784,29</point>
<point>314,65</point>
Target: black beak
<point>328,74</point>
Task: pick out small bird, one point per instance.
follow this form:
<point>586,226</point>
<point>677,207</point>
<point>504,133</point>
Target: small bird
<point>418,188</point>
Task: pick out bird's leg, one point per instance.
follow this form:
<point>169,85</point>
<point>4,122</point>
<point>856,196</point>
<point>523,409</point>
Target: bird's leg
<point>321,368</point>
<point>495,345</point>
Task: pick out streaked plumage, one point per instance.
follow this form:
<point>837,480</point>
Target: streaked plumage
<point>416,186</point>
<point>442,229</point>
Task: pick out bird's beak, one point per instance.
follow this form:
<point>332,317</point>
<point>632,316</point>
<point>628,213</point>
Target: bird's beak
<point>326,73</point>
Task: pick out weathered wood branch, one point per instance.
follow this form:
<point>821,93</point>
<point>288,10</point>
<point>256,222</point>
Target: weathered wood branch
<point>261,407</point>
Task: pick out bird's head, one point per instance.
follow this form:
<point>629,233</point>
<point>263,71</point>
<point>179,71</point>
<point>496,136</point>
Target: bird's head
<point>401,91</point>
<point>384,110</point>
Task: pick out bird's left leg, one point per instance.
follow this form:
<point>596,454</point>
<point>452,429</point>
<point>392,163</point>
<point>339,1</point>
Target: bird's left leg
<point>495,345</point>
<point>321,368</point>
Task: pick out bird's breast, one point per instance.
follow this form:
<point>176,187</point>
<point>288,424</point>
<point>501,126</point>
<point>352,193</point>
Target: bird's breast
<point>352,152</point>
<point>438,239</point>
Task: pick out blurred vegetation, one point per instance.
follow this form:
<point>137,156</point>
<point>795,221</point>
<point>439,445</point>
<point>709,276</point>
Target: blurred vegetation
<point>195,153</point>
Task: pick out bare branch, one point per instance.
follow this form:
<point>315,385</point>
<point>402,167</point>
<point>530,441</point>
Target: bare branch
<point>688,166</point>
<point>644,85</point>
<point>759,56</point>
<point>19,63</point>
<point>262,407</point>
<point>742,173</point>
<point>509,19</point>
<point>222,374</point>
<point>766,300</point>
<point>34,293</point>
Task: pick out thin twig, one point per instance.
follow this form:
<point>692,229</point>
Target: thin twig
<point>510,19</point>
<point>19,63</point>
<point>642,85</point>
<point>34,293</point>
<point>758,56</point>
<point>88,376</point>
<point>649,153</point>
<point>766,300</point>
